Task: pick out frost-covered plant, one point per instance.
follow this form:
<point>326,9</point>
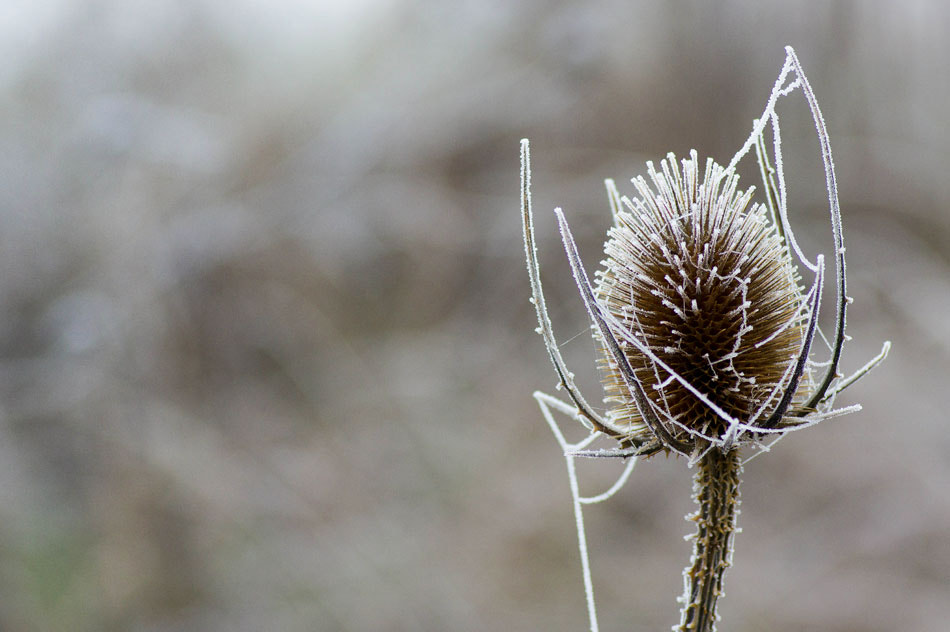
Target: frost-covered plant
<point>705,332</point>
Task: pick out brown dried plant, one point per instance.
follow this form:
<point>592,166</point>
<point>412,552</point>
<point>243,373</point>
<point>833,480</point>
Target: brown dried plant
<point>705,332</point>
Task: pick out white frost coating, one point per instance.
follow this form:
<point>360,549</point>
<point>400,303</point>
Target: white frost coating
<point>783,195</point>
<point>759,125</point>
<point>613,195</point>
<point>795,318</point>
<point>586,414</point>
<point>857,375</point>
<point>543,402</point>
<point>666,382</point>
<point>642,348</point>
<point>546,402</point>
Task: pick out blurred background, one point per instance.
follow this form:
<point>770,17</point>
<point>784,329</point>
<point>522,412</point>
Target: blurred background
<point>267,354</point>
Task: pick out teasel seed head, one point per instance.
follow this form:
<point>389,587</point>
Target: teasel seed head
<point>702,278</point>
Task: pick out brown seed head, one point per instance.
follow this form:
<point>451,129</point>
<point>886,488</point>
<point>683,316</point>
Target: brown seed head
<point>706,282</point>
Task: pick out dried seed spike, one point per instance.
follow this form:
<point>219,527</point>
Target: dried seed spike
<point>693,229</point>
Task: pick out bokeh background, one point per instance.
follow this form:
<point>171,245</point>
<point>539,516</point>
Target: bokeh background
<point>267,354</point>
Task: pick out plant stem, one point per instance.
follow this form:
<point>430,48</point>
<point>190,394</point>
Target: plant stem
<point>716,491</point>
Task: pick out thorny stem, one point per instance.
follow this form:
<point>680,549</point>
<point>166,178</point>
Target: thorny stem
<point>716,491</point>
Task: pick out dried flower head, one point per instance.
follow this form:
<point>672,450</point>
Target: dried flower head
<point>704,281</point>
